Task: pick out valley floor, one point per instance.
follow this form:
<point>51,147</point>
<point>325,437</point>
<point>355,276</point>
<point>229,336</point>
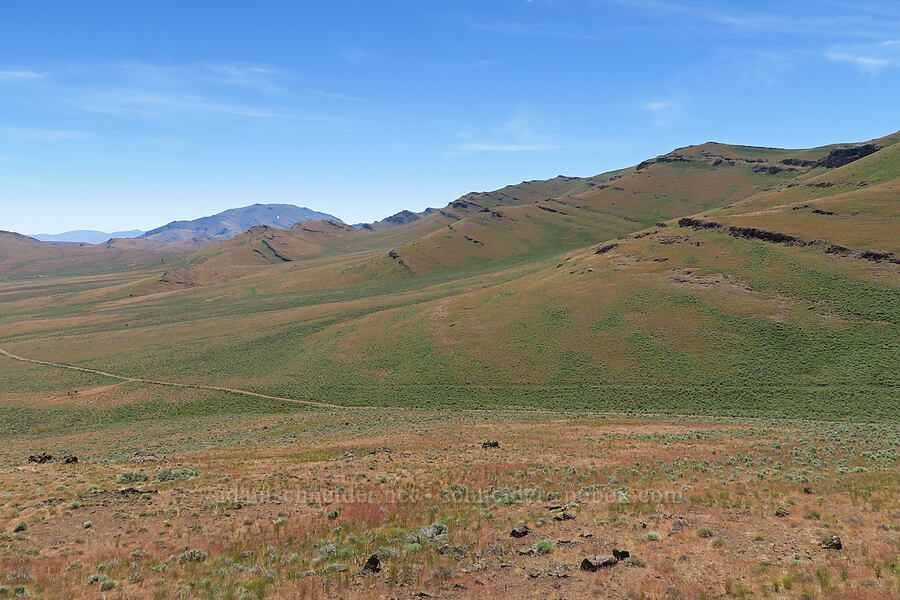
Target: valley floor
<point>291,505</point>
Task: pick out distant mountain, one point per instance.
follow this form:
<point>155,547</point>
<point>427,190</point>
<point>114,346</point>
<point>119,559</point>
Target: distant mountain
<point>89,236</point>
<point>401,218</point>
<point>225,225</point>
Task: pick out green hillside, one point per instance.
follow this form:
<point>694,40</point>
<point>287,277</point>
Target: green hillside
<point>715,279</point>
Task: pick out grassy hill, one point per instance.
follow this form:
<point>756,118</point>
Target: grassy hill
<point>714,279</point>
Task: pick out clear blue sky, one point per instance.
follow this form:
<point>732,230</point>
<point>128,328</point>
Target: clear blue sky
<point>120,114</point>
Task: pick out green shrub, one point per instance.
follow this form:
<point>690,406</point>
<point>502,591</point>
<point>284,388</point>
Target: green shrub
<point>652,536</point>
<point>195,555</point>
<point>20,526</point>
<point>133,477</point>
<point>543,547</point>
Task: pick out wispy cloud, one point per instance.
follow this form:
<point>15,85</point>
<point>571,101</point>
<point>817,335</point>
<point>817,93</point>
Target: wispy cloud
<point>662,111</point>
<point>156,104</point>
<point>19,75</point>
<point>336,96</point>
<point>516,134</point>
<point>43,135</point>
<point>355,56</point>
<point>870,58</point>
<point>870,64</point>
<point>493,147</point>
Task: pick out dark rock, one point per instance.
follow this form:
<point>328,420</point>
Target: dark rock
<point>832,542</point>
<point>782,512</point>
<point>40,458</point>
<point>69,459</point>
<point>807,490</point>
<point>844,156</point>
<point>835,249</point>
<point>597,562</point>
<point>373,565</point>
<point>798,162</point>
<point>771,169</point>
<point>564,516</point>
<point>752,233</point>
<point>520,532</point>
<point>490,444</point>
<point>606,248</point>
<point>698,223</point>
<point>621,554</point>
<point>132,491</point>
<point>876,256</point>
<point>819,211</point>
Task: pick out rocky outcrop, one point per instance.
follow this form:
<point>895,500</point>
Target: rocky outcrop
<point>846,155</point>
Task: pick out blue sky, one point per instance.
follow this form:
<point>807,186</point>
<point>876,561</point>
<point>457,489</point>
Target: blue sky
<point>116,114</point>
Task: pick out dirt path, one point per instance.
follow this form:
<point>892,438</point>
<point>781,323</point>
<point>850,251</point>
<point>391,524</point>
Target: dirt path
<point>195,386</point>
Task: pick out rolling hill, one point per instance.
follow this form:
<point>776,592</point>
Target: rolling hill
<point>715,279</point>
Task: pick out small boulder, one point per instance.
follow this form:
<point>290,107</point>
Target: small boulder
<point>621,554</point>
<point>782,512</point>
<point>597,562</point>
<point>563,516</point>
<point>520,532</point>
<point>832,542</point>
<point>40,458</point>
<point>373,565</point>
<point>490,444</point>
<point>70,459</point>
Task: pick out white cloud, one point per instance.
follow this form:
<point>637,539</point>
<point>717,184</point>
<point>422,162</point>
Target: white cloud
<point>19,75</point>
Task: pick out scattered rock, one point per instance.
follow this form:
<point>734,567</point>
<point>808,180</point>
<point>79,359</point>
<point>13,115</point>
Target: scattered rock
<point>373,565</point>
<point>678,526</point>
<point>621,554</point>
<point>69,459</point>
<point>533,573</point>
<point>782,512</point>
<point>606,248</point>
<point>142,456</point>
<point>490,444</point>
<point>807,490</point>
<point>40,458</point>
<point>832,542</point>
<point>520,532</point>
<point>564,516</point>
<point>597,562</point>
